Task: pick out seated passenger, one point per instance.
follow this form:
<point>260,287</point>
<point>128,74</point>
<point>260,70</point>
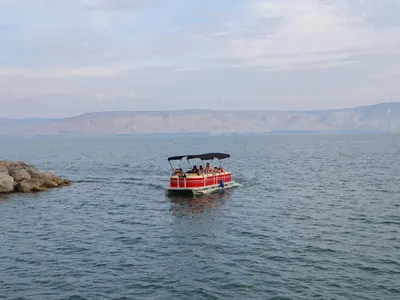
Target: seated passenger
<point>222,170</point>
<point>195,170</point>
<point>201,170</point>
<point>176,173</point>
<point>181,173</point>
<point>208,168</point>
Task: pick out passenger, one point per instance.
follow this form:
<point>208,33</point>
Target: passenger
<point>181,173</point>
<point>195,170</point>
<point>176,173</point>
<point>201,170</point>
<point>208,168</point>
<point>215,171</point>
<point>222,169</point>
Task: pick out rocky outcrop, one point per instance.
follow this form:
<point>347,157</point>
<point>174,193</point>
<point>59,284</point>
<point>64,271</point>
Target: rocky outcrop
<point>16,176</point>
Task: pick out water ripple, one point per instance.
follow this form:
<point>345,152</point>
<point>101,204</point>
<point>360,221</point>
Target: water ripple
<point>315,217</point>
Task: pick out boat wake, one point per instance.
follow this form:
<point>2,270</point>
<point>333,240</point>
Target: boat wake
<point>236,184</point>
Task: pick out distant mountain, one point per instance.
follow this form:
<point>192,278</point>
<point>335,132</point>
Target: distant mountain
<point>383,117</point>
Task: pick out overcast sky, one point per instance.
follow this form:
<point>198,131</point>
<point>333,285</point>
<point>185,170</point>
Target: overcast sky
<point>66,57</point>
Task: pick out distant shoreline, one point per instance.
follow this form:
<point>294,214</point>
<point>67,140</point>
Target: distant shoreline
<point>381,118</point>
<point>277,133</point>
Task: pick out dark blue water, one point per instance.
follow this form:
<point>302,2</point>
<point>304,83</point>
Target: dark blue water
<point>316,217</point>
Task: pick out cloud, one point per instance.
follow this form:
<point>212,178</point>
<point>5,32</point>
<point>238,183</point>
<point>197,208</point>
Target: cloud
<point>310,29</point>
<point>119,5</point>
<point>155,48</point>
<point>264,34</point>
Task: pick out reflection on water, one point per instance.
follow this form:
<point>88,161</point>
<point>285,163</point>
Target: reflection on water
<point>186,205</point>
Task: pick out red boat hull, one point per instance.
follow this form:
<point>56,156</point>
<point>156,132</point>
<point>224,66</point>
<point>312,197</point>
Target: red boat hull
<point>195,182</point>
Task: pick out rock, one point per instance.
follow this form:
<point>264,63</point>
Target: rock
<point>19,174</point>
<point>16,176</point>
<point>66,182</point>
<point>47,175</point>
<point>6,183</point>
<point>4,170</point>
<point>32,171</point>
<point>46,183</point>
<point>13,164</point>
<point>30,168</point>
<point>30,185</point>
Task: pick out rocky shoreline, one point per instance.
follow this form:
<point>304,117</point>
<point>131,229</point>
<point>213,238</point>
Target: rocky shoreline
<point>19,177</point>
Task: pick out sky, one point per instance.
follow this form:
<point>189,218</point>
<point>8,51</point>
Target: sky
<point>60,58</point>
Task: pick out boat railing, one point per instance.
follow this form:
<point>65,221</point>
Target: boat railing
<point>203,177</point>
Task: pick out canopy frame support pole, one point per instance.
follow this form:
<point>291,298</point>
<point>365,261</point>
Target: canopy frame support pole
<point>172,168</point>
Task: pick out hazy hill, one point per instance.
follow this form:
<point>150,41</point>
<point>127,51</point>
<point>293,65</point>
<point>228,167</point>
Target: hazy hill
<point>381,117</point>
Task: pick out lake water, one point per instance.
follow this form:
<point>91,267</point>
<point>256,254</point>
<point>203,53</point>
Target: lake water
<point>315,217</point>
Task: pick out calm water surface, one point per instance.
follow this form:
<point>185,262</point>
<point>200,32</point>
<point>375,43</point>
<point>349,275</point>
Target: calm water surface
<point>316,217</point>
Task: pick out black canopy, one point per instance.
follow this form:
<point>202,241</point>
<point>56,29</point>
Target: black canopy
<point>205,156</point>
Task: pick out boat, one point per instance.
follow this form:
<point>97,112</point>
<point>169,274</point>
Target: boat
<point>199,180</point>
